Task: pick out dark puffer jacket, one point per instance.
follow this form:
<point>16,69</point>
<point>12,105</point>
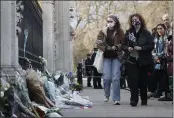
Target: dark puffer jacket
<point>145,41</point>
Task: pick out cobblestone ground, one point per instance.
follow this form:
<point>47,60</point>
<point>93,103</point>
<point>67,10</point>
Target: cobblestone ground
<point>101,109</point>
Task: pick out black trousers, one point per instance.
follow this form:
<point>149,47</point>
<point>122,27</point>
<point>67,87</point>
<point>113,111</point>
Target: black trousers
<point>159,82</point>
<point>123,76</point>
<point>137,80</point>
<point>89,74</point>
<point>96,78</point>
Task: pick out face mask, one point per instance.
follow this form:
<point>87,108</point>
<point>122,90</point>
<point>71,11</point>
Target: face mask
<point>111,25</point>
<point>136,23</point>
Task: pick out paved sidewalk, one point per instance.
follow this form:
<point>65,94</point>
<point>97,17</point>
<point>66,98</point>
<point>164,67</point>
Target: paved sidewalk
<point>101,109</point>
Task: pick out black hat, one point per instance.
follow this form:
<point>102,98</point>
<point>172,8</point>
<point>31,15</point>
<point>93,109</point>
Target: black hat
<point>95,49</point>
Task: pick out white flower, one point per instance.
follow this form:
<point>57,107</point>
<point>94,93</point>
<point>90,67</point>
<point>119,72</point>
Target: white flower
<point>2,94</point>
<point>5,88</point>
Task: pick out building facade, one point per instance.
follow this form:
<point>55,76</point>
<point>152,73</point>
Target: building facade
<point>33,29</point>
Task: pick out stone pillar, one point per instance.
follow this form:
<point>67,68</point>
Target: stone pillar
<point>6,34</point>
<point>63,60</point>
<point>9,42</point>
<point>48,38</point>
<point>14,39</point>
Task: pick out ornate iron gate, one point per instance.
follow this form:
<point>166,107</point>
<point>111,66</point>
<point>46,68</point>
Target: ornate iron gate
<point>31,36</point>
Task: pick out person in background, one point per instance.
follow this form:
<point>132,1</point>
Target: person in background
<point>170,64</point>
<point>170,52</point>
<point>151,69</point>
<point>167,24</point>
<point>79,74</point>
<point>123,69</point>
<point>138,44</point>
<point>109,41</point>
<point>96,76</point>
<point>154,32</point>
<point>88,67</point>
<point>159,59</point>
<point>160,75</point>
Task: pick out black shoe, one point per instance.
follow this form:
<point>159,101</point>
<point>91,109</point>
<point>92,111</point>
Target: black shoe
<point>144,102</point>
<point>133,103</point>
<point>100,87</point>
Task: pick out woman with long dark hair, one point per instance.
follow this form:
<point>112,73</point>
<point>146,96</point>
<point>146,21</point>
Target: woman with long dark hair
<point>159,59</point>
<point>138,44</point>
<point>161,74</point>
<point>109,40</point>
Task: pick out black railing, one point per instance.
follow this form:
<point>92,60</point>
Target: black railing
<point>32,21</point>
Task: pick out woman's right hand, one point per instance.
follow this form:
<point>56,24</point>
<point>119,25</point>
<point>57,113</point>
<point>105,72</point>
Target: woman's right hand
<point>130,49</point>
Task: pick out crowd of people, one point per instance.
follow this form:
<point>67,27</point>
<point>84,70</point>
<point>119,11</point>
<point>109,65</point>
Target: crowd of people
<point>147,59</point>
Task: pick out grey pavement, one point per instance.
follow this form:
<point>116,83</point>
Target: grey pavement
<point>101,109</point>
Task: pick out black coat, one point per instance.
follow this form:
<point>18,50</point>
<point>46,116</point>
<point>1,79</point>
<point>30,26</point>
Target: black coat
<point>145,41</point>
<point>93,57</point>
<point>88,64</point>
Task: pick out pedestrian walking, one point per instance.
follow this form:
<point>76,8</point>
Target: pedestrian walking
<point>138,44</point>
<point>109,40</point>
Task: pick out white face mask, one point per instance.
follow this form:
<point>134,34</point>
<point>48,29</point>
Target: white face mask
<point>111,25</point>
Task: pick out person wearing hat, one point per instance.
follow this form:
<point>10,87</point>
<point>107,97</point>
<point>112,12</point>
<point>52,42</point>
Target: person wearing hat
<point>109,41</point>
<point>88,67</point>
<point>96,76</point>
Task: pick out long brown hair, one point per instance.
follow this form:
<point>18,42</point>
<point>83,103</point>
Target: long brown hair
<point>117,27</point>
<point>141,18</point>
<point>162,25</point>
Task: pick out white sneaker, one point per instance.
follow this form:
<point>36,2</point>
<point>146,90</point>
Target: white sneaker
<point>106,99</point>
<point>116,103</point>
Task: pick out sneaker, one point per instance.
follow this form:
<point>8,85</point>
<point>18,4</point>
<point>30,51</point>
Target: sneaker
<point>116,103</point>
<point>106,99</point>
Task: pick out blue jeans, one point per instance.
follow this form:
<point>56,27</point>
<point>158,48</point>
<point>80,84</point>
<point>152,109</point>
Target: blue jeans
<point>111,74</point>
